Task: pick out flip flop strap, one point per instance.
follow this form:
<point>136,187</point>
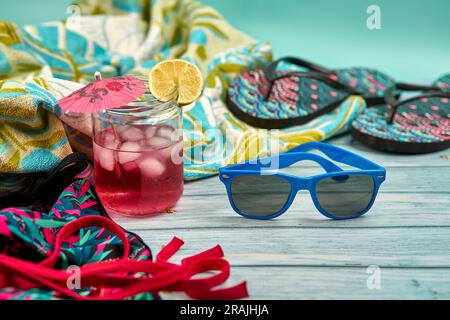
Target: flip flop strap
<point>272,69</point>
<point>311,75</point>
<point>392,100</point>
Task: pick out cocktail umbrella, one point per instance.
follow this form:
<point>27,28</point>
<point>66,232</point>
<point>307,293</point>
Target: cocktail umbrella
<point>103,94</point>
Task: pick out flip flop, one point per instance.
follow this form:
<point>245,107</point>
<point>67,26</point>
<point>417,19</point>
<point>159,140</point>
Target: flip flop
<point>416,125</point>
<point>272,99</point>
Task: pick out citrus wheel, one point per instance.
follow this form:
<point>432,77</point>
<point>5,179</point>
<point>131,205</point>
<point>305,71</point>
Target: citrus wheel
<point>178,76</point>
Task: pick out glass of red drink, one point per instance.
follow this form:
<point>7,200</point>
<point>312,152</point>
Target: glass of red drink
<point>138,157</point>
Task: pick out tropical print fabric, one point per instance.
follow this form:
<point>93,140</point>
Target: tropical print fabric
<point>30,235</point>
<point>129,37</point>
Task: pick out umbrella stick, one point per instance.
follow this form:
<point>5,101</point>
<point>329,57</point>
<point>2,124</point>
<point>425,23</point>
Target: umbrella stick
<point>98,76</point>
<point>116,136</point>
<point>116,157</point>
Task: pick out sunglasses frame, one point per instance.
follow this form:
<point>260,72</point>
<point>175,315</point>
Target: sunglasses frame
<point>300,153</point>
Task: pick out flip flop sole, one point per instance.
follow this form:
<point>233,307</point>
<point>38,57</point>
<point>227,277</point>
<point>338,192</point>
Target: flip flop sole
<point>397,146</point>
<point>258,122</point>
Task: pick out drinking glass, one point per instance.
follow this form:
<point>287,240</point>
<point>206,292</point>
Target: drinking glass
<point>138,157</point>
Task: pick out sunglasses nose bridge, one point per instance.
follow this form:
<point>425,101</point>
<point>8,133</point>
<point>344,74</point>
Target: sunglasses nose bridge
<point>302,184</point>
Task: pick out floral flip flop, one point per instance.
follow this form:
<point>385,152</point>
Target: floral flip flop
<point>273,99</point>
<point>420,124</point>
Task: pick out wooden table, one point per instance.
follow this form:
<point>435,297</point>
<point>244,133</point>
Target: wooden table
<point>405,238</point>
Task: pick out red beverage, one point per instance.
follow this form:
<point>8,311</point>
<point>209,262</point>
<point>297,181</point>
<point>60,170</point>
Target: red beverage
<point>138,169</point>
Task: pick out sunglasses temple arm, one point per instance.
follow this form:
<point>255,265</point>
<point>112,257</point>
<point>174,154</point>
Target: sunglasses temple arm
<point>338,154</point>
<point>285,160</point>
<point>288,159</point>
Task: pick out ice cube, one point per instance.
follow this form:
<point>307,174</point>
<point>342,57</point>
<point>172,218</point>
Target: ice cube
<point>151,167</point>
<point>105,158</point>
<point>106,137</point>
<point>119,129</point>
<point>166,132</point>
<point>111,143</point>
<point>132,134</point>
<point>129,151</point>
<point>173,153</point>
<point>177,153</point>
<point>150,132</point>
<point>158,142</point>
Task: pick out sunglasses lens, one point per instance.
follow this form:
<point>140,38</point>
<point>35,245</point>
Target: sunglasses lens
<point>260,196</point>
<point>345,196</point>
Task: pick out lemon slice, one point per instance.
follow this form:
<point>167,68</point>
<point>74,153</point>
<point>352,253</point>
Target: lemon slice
<point>176,76</point>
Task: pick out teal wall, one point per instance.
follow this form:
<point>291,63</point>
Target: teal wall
<point>413,44</point>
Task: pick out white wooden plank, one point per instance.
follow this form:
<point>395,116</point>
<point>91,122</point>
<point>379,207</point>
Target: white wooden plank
<point>343,139</point>
<point>301,283</point>
<point>343,283</point>
<point>386,247</point>
<point>214,211</point>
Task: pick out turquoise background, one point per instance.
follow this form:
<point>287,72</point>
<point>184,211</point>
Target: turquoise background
<point>413,44</point>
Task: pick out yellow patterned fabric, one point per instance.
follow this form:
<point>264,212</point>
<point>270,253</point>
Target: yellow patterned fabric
<point>32,139</point>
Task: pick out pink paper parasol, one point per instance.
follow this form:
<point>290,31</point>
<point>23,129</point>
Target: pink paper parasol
<point>104,94</point>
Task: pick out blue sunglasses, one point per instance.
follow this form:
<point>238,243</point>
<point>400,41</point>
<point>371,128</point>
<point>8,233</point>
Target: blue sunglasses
<point>258,191</point>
